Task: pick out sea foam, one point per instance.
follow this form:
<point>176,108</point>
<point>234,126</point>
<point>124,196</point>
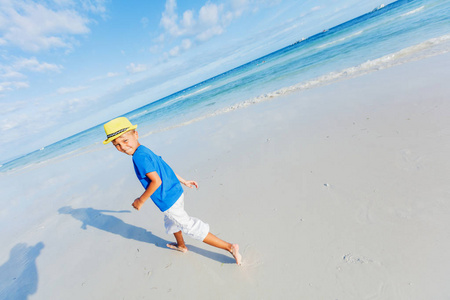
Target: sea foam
<point>420,51</point>
<point>413,11</point>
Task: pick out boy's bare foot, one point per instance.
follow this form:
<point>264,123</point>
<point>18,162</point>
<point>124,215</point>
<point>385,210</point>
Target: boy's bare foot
<point>175,246</point>
<point>235,252</point>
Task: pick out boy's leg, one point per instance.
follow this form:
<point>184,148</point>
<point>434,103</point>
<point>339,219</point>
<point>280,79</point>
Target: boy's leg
<point>213,240</point>
<point>179,245</point>
<point>178,219</point>
<point>197,229</point>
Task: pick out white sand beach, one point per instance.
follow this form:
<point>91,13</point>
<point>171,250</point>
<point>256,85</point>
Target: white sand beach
<point>338,192</point>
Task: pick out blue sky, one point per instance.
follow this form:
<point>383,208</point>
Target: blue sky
<point>67,65</point>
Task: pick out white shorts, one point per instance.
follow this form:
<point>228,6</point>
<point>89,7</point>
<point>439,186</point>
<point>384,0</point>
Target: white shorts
<point>176,219</point>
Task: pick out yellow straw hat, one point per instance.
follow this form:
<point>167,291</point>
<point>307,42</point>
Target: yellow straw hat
<point>116,128</point>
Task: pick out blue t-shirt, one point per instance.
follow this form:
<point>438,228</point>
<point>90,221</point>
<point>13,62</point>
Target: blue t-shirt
<point>145,161</point>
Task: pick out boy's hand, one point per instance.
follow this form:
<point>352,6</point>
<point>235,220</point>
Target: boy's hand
<point>190,184</point>
<point>137,203</point>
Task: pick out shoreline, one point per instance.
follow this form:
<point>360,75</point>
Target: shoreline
<point>413,53</point>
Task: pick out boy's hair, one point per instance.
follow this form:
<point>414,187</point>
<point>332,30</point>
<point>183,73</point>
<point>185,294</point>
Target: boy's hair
<point>128,131</point>
<point>125,133</point>
<point>132,131</point>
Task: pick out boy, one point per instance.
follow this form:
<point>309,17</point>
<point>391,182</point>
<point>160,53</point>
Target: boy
<point>163,186</point>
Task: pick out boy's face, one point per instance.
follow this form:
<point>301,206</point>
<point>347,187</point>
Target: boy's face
<point>127,142</point>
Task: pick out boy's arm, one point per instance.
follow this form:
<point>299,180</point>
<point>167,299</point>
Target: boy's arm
<point>188,183</point>
<point>155,182</point>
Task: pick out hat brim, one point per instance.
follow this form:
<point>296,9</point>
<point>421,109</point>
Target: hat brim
<point>119,134</point>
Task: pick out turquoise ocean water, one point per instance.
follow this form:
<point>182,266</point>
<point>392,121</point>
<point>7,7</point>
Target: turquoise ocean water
<point>387,36</point>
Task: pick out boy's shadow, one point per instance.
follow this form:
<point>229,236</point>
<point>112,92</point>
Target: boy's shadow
<point>96,218</point>
<point>19,276</point>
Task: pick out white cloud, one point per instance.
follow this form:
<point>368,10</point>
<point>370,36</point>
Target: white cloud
<point>132,68</point>
<point>160,38</point>
<point>174,51</point>
<point>38,25</point>
<point>13,85</point>
<point>186,44</point>
<point>33,64</point>
<point>171,5</point>
<point>64,2</point>
<point>95,6</point>
<point>209,33</point>
<point>169,18</point>
<point>144,22</point>
<point>12,74</point>
<point>239,6</point>
<point>188,20</point>
<point>228,17</point>
<point>209,14</point>
<point>108,75</point>
<point>67,90</point>
<point>129,81</point>
<point>75,104</point>
<point>7,124</point>
<point>155,49</point>
<point>209,21</point>
<point>18,67</point>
